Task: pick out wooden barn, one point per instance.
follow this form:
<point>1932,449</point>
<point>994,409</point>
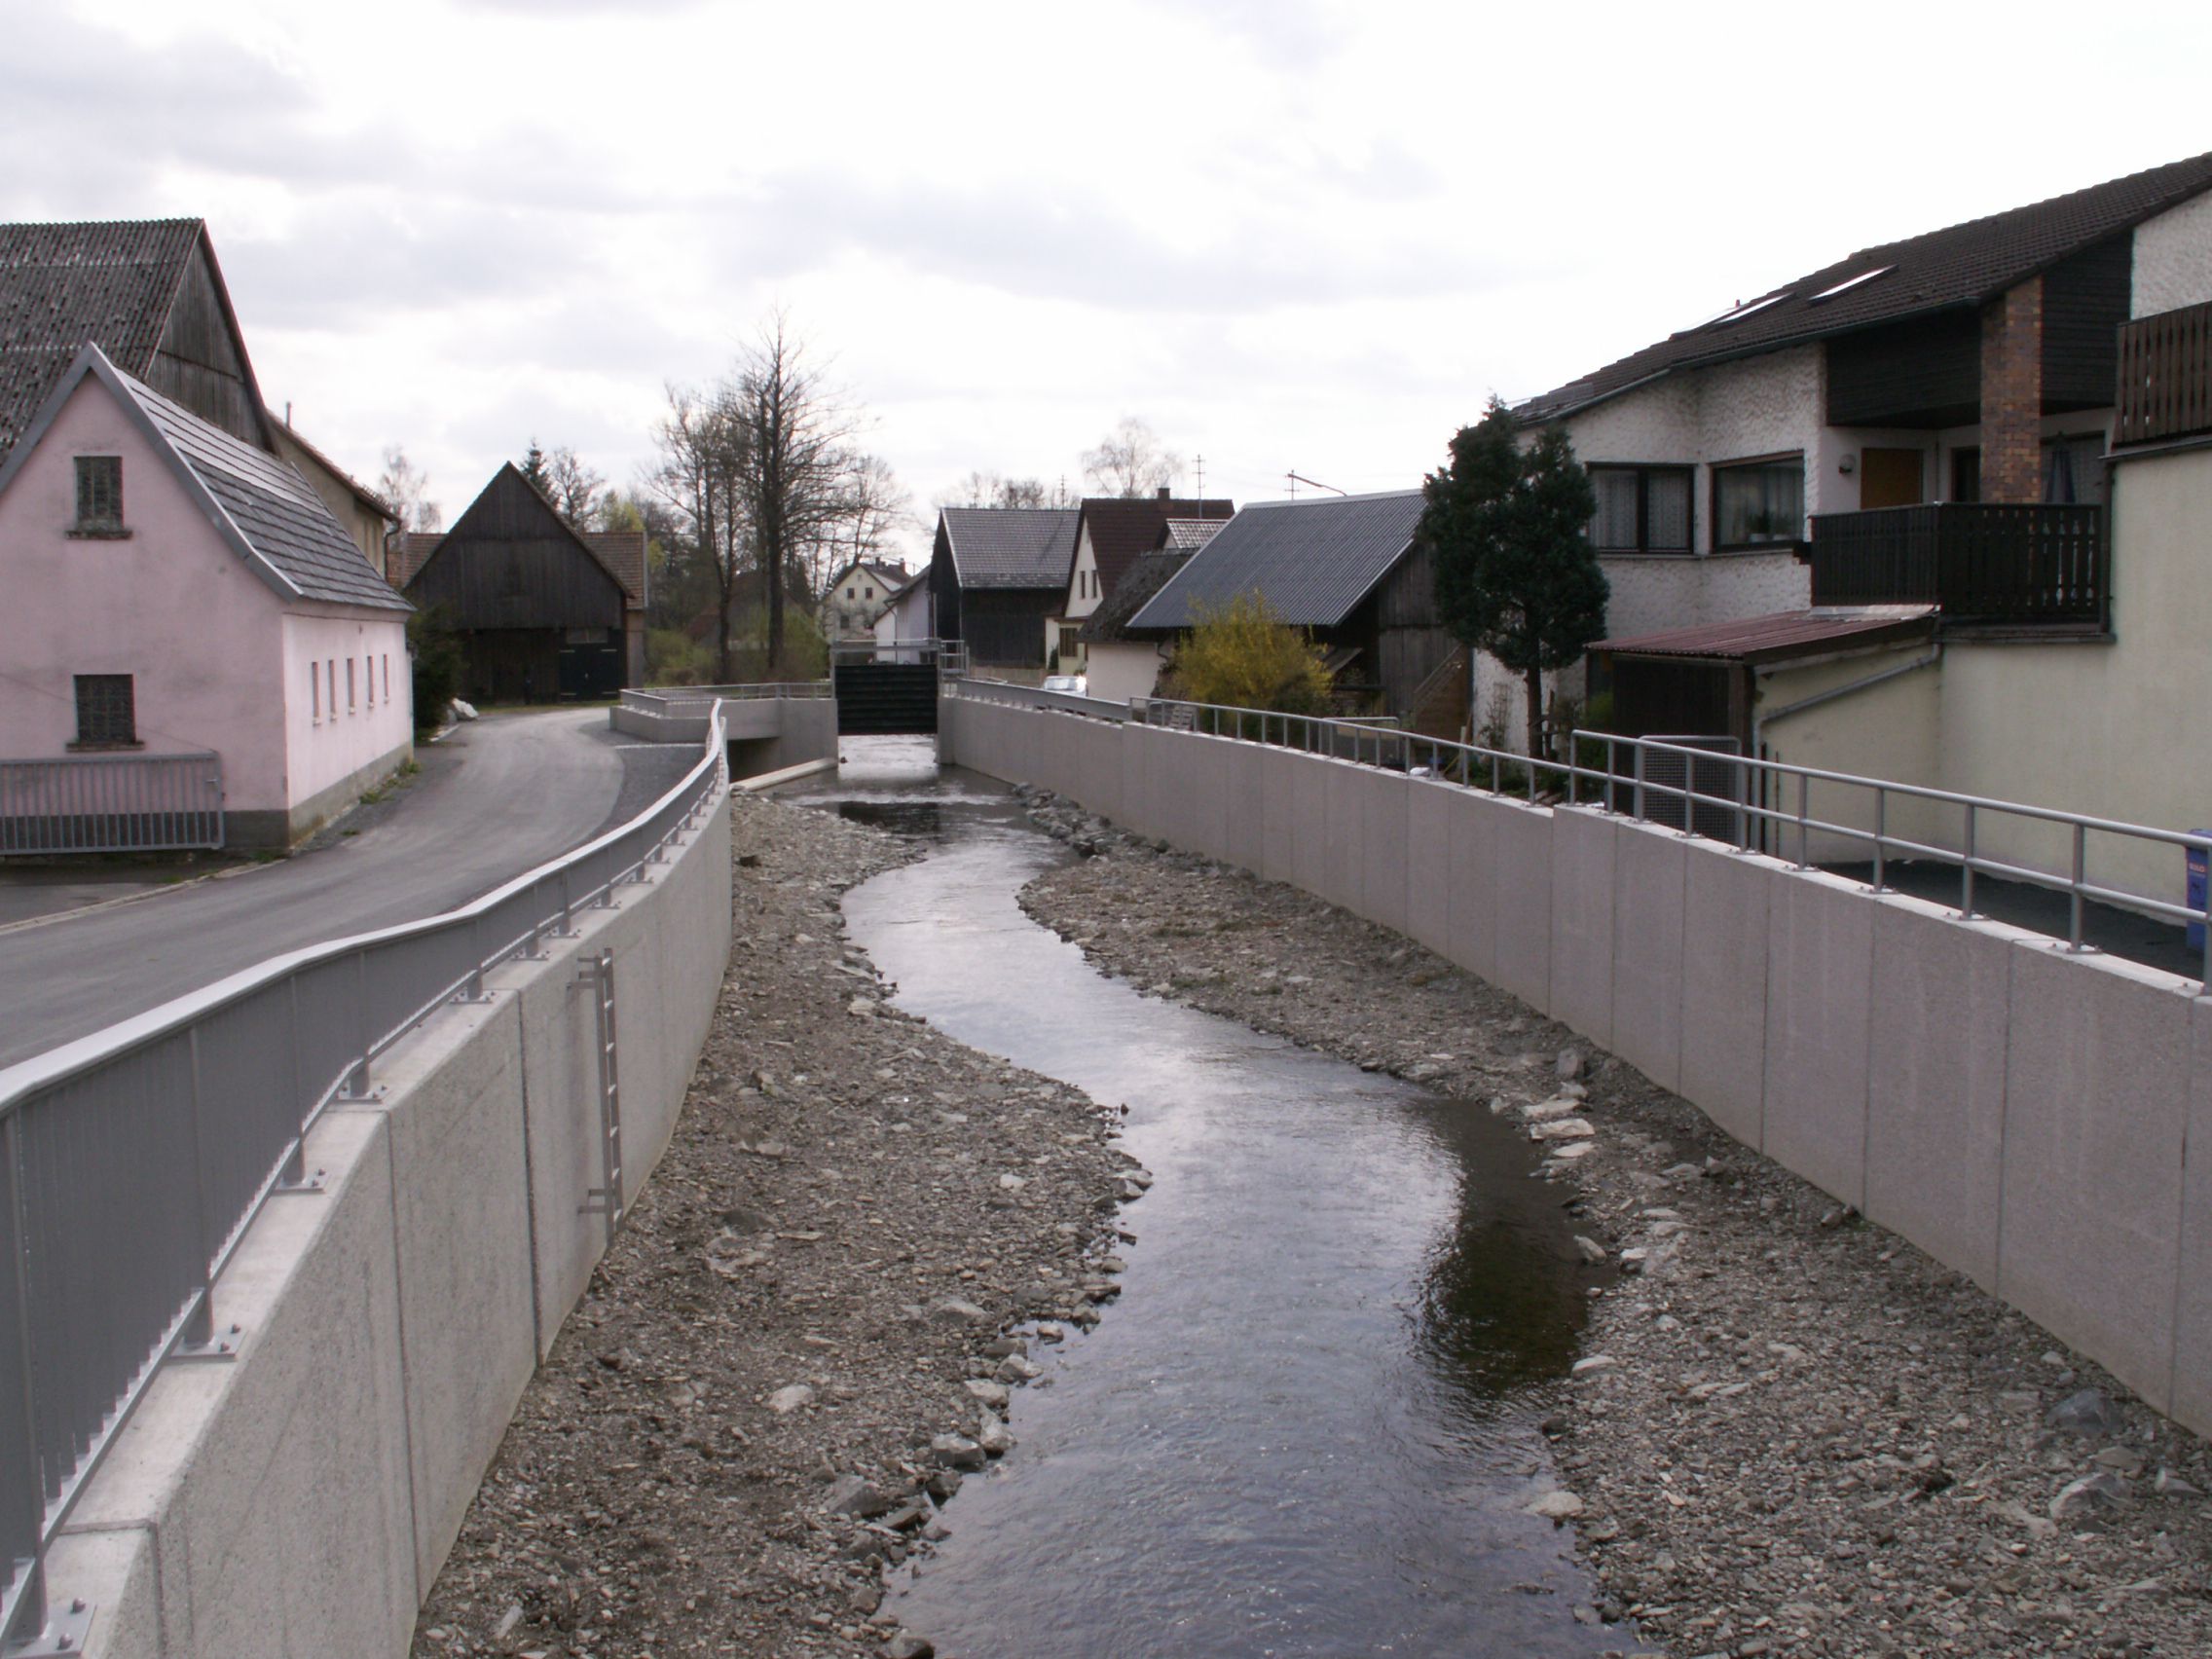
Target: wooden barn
<point>542,611</point>
<point>1346,569</point>
<point>997,575</point>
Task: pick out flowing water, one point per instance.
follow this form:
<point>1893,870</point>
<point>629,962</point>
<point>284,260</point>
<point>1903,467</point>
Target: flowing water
<point>1308,1424</point>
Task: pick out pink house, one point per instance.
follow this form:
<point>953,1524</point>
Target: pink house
<point>173,589</point>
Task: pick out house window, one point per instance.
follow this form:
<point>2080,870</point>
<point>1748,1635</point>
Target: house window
<point>1070,644</point>
<point>1758,502</point>
<point>1965,473</point>
<point>99,496</point>
<point>330,675</point>
<point>369,673</point>
<point>1640,510</point>
<point>388,677</point>
<point>107,714</point>
<point>348,684</point>
<point>314,693</point>
<point>2074,470</point>
<point>849,593</point>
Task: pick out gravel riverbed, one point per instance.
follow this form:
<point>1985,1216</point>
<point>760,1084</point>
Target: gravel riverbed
<point>1790,1433</point>
<point>807,1329</point>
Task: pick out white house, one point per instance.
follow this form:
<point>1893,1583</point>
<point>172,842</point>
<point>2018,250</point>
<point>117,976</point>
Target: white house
<point>1112,532</point>
<point>1969,367</point>
<point>855,594</point>
<point>175,589</point>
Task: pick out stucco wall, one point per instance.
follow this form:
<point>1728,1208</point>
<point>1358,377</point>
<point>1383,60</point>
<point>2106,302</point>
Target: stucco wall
<point>327,742</point>
<point>2174,259</point>
<point>1891,730</point>
<point>200,632</point>
<point>1119,672</point>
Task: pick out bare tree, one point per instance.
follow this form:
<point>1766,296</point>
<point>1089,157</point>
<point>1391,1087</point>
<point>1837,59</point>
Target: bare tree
<point>993,490</point>
<point>406,491</point>
<point>1129,462</point>
<point>698,479</point>
<point>575,490</point>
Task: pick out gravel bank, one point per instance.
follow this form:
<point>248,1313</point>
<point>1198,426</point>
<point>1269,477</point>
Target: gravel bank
<point>1792,1432</point>
<point>739,1428</point>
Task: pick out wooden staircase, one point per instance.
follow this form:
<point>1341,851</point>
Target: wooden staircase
<point>1440,707</point>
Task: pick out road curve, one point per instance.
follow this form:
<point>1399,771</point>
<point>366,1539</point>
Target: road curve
<point>494,798</point>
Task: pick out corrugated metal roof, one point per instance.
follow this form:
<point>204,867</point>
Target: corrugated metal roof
<point>62,286</point>
<point>1313,560</point>
<point>1963,264</point>
<point>276,509</point>
<point>1786,634</point>
<point>1012,547</point>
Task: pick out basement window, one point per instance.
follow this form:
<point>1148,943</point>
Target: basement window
<point>100,497</point>
<point>107,716</point>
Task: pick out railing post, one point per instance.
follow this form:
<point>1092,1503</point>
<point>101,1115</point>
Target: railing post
<point>1881,833</point>
<point>1965,870</point>
<point>1637,793</point>
<point>296,1166</point>
<point>2073,893</point>
<point>1804,817</point>
<point>30,1608</point>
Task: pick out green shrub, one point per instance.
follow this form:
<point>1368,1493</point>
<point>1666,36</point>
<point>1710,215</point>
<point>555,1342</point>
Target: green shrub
<point>674,658</point>
<point>1240,656</point>
<point>435,658</point>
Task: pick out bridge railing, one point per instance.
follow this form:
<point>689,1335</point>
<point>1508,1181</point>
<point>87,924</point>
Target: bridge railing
<point>134,1160</point>
<point>1755,800</point>
<point>695,702</point>
<point>1036,697</point>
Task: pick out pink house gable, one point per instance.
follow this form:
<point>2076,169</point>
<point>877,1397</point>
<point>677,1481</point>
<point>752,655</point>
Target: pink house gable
<point>303,697</point>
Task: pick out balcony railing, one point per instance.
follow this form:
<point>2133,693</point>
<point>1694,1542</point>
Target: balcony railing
<point>1984,563</point>
<point>2165,376</point>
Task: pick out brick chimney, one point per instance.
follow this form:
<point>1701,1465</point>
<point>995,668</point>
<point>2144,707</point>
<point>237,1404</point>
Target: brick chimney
<point>1167,494</point>
<point>2011,395</point>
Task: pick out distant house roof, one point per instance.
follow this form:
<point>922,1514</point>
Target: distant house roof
<point>359,490</point>
<point>271,517</point>
<point>112,283</point>
<point>1188,536</point>
<point>410,551</point>
<point>1313,560</point>
<point>1782,636</point>
<point>1146,575</point>
<point>1967,263</point>
<point>1011,547</point>
<point>1122,528</point>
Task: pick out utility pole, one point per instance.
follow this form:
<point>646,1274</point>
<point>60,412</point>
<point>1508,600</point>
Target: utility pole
<point>1201,486</point>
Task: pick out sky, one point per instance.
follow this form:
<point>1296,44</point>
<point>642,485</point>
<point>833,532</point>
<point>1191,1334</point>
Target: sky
<point>1289,235</point>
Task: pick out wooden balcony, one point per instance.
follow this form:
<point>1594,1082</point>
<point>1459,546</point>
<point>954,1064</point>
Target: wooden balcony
<point>1984,563</point>
<point>2165,376</point>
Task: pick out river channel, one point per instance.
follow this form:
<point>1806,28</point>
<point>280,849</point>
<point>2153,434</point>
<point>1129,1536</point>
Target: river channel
<point>1309,1423</point>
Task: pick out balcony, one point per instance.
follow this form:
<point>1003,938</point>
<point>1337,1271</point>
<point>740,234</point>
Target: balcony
<point>2165,376</point>
<point>1986,565</point>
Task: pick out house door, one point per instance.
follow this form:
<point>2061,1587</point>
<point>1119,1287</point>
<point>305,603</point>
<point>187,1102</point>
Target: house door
<point>1890,478</point>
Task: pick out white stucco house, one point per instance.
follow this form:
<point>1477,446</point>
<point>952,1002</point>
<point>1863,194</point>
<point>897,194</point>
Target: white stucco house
<point>175,589</point>
<point>855,594</point>
<point>1112,533</point>
<point>1846,439</point>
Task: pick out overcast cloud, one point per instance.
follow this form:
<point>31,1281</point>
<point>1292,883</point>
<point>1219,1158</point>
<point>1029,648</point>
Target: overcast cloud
<point>1309,235</point>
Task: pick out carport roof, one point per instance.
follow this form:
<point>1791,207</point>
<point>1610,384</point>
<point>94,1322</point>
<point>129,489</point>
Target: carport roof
<point>1784,635</point>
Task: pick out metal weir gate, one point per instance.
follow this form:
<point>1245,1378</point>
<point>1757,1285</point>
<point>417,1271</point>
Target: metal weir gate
<point>891,689</point>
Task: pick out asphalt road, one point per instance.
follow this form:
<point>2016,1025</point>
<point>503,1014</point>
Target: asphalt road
<point>492,800</point>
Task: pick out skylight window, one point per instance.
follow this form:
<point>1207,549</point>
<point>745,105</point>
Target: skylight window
<point>1850,283</point>
<point>1744,311</point>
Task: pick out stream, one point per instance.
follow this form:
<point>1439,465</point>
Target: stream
<point>1309,1425</point>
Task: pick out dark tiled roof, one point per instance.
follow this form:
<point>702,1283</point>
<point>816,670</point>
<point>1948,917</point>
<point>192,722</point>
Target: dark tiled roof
<point>1965,263</point>
<point>62,286</point>
<point>274,509</point>
<point>1011,547</point>
<point>1146,575</point>
<point>1123,526</point>
<point>1786,634</point>
<point>1313,560</point>
<point>410,552</point>
<point>1188,536</point>
<point>622,553</point>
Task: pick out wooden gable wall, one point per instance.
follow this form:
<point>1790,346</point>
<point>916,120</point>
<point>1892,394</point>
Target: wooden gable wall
<point>201,361</point>
<point>509,562</point>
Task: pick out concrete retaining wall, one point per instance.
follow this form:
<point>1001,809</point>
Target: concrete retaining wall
<point>766,734</point>
<point>2017,1112</point>
<point>302,1499</point>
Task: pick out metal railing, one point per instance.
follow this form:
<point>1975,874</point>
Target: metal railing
<point>695,702</point>
<point>1036,697</point>
<point>111,803</point>
<point>1642,771</point>
<point>132,1161</point>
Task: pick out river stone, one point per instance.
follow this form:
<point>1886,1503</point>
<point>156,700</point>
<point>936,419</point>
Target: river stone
<point>1561,1129</point>
<point>784,1401</point>
<point>2087,1414</point>
<point>851,1495</point>
<point>2090,1494</point>
<point>993,1436</point>
<point>992,1394</point>
<point>1543,1110</point>
<point>1015,1368</point>
<point>1556,1506</point>
<point>957,1451</point>
<point>952,1310</point>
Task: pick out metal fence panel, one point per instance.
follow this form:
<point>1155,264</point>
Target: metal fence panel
<point>111,803</point>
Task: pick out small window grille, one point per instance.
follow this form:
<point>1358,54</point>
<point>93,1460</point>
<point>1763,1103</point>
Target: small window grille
<point>348,684</point>
<point>99,493</point>
<point>106,708</point>
<point>369,673</point>
<point>314,693</point>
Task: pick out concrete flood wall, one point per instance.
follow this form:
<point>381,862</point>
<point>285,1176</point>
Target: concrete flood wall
<point>2020,1113</point>
<point>302,1499</point>
<point>766,734</point>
